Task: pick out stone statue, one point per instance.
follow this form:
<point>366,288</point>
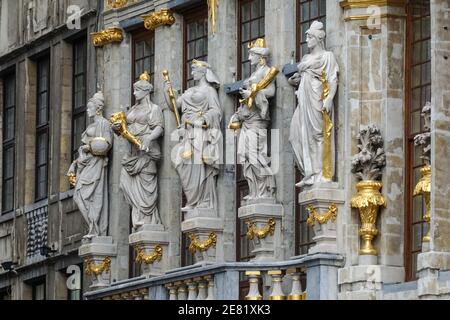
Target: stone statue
<point>198,155</point>
<point>312,132</point>
<point>144,124</point>
<point>88,173</point>
<point>253,119</point>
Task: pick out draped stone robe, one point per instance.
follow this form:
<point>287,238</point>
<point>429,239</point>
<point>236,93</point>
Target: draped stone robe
<point>306,134</point>
<point>138,179</point>
<point>199,153</point>
<point>252,143</point>
<point>91,189</point>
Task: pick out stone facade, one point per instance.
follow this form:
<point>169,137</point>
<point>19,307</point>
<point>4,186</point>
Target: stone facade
<point>372,81</point>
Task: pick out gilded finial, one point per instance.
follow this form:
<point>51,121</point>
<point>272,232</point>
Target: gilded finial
<point>259,43</point>
<point>145,77</point>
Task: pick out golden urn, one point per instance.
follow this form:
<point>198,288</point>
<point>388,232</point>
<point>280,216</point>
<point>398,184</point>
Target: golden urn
<point>368,200</point>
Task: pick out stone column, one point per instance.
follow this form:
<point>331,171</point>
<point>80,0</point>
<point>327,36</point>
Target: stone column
<point>372,67</point>
<point>430,264</point>
<point>169,55</point>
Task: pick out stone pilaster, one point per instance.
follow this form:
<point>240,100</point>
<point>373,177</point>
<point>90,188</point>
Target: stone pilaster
<point>169,55</point>
<point>374,48</point>
<point>281,39</point>
<point>115,80</point>
<point>222,58</point>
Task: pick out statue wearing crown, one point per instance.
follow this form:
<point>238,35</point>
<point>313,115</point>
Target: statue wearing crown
<point>312,130</point>
<point>141,126</point>
<point>198,154</point>
<point>88,173</point>
<point>253,119</point>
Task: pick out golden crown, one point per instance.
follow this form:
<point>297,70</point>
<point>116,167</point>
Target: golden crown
<point>145,77</point>
<point>259,43</point>
<point>199,63</point>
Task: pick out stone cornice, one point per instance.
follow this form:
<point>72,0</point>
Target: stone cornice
<point>349,4</point>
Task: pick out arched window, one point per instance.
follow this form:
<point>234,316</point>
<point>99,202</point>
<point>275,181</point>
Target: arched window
<point>418,92</point>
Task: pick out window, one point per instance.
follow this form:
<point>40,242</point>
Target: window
<point>143,54</point>
<point>5,293</point>
<point>78,94</point>
<point>418,92</point>
<point>195,41</point>
<point>251,27</point>
<point>8,144</point>
<point>42,128</point>
<point>38,289</point>
<point>308,11</point>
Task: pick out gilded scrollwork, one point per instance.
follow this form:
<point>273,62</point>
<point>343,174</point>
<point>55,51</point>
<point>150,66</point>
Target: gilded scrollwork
<point>110,35</point>
<point>164,17</point>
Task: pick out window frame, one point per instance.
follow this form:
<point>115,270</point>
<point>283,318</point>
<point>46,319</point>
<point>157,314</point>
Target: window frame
<point>9,79</point>
<point>38,282</point>
<point>190,16</point>
<point>409,251</point>
<point>240,43</point>
<point>138,36</point>
<point>42,128</point>
<point>78,111</point>
<point>298,30</point>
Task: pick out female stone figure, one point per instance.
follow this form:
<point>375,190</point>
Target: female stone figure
<point>88,173</point>
<point>199,153</point>
<point>254,119</point>
<point>138,179</point>
<point>317,80</point>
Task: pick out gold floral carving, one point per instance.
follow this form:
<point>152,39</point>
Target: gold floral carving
<point>267,229</point>
<point>202,246</point>
<point>156,255</point>
<point>97,269</point>
<point>164,17</point>
<point>72,177</point>
<point>314,216</point>
<point>110,35</point>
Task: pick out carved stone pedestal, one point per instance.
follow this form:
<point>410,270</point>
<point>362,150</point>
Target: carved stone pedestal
<point>366,282</point>
<point>151,243</point>
<point>99,255</point>
<point>205,235</point>
<point>323,201</point>
<point>263,219</point>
